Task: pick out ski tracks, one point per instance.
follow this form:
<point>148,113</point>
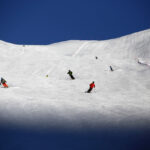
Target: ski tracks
<point>80,48</point>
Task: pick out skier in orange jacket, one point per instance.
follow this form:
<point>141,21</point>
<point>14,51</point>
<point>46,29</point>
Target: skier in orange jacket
<point>3,81</point>
<point>92,85</point>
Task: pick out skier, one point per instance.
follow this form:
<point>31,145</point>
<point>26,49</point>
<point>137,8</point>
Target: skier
<point>3,81</point>
<point>139,61</point>
<point>111,69</point>
<point>70,74</point>
<point>92,85</point>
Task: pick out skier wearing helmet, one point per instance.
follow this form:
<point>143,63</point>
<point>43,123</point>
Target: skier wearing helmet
<point>92,85</point>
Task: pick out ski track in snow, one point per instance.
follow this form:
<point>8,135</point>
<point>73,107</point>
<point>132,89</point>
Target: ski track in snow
<point>80,48</point>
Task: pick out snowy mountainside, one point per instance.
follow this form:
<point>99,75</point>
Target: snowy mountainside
<point>121,97</point>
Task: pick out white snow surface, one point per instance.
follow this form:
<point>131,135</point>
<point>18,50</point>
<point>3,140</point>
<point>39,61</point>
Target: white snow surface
<point>121,98</point>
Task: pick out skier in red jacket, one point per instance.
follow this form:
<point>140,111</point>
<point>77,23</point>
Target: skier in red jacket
<point>92,85</point>
<point>3,81</point>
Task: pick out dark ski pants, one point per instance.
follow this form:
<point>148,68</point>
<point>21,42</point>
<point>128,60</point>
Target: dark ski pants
<point>72,77</point>
<point>89,90</point>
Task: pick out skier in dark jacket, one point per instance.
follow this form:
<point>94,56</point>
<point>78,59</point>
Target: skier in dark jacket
<point>3,81</point>
<point>92,85</point>
<point>70,74</point>
<point>111,69</point>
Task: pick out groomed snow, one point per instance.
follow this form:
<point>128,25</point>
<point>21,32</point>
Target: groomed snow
<point>121,98</point>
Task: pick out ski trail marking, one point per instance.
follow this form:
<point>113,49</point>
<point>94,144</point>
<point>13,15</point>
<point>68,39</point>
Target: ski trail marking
<point>56,66</point>
<point>79,49</point>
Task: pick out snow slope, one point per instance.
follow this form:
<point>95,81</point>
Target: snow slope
<point>121,97</point>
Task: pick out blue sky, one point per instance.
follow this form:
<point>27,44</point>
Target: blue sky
<point>49,21</point>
